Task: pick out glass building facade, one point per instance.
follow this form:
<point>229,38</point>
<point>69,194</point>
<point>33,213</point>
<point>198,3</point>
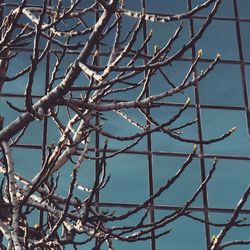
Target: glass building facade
<point>220,101</point>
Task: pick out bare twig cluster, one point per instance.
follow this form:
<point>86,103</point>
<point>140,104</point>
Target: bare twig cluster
<point>58,30</point>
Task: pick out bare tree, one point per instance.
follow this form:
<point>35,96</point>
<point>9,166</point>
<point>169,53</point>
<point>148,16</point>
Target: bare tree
<point>58,30</point>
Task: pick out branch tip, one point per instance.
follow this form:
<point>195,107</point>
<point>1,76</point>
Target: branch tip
<point>199,53</point>
<point>232,130</point>
<point>218,56</point>
<point>187,101</point>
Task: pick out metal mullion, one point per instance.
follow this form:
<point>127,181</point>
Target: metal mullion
<point>173,208</point>
<point>158,153</point>
<point>45,120</point>
<point>97,135</point>
<point>219,210</point>
<point>200,136</point>
<point>1,11</point>
<point>223,18</point>
<point>103,53</point>
<point>149,140</point>
<point>1,21</point>
<point>242,67</point>
<point>155,105</point>
<point>178,104</point>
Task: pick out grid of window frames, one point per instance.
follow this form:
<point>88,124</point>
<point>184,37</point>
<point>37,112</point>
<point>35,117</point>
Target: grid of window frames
<point>220,102</point>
